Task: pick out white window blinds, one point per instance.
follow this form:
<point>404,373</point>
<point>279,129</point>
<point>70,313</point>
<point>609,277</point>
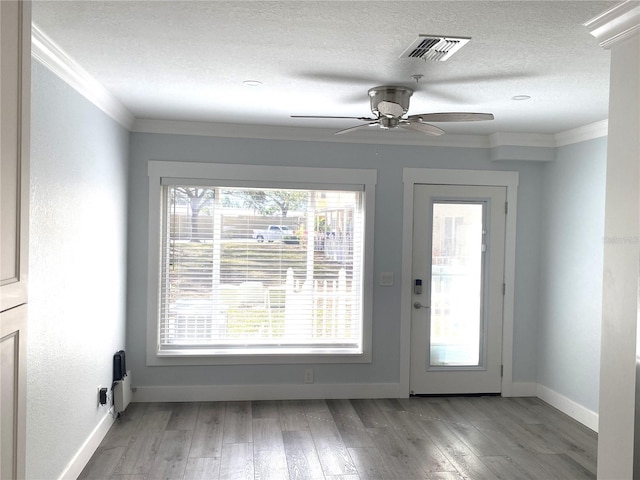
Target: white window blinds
<point>261,271</point>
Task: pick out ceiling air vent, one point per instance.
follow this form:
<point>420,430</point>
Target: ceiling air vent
<point>434,47</point>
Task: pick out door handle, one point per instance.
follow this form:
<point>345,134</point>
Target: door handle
<point>418,305</point>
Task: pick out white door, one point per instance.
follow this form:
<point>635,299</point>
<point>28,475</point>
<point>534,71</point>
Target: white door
<point>458,278</point>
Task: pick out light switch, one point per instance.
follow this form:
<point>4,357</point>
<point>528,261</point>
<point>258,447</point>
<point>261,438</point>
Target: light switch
<point>386,279</point>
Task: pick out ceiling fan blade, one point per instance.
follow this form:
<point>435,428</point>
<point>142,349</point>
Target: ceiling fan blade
<point>451,117</point>
<point>422,128</point>
<point>357,127</point>
<point>364,119</point>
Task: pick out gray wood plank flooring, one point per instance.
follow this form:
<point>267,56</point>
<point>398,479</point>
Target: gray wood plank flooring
<point>435,438</point>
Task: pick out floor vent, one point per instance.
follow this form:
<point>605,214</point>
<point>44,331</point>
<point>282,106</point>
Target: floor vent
<point>434,47</point>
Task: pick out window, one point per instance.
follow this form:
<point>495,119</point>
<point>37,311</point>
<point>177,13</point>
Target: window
<point>244,265</point>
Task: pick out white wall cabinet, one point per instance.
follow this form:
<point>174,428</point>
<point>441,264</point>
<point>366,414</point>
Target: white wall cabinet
<point>13,342</point>
<point>15,84</point>
<point>15,58</point>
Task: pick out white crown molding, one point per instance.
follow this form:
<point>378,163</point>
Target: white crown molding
<point>380,137</point>
<point>523,153</point>
<point>560,139</point>
<point>616,24</point>
<point>503,139</point>
<point>582,134</point>
<point>498,139</point>
<point>55,59</point>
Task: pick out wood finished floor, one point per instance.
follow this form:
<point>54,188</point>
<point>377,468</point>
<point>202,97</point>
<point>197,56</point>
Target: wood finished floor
<point>440,438</point>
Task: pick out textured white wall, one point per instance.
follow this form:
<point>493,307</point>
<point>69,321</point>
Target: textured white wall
<point>571,278</point>
<point>77,269</point>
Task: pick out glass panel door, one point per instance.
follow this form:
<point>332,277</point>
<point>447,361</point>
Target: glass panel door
<point>456,322</point>
<point>457,326</point>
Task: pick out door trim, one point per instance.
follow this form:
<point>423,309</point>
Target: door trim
<point>413,176</point>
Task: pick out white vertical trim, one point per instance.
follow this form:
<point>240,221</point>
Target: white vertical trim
<point>509,280</point>
<point>413,176</point>
<point>153,265</point>
<point>406,282</point>
<point>618,434</point>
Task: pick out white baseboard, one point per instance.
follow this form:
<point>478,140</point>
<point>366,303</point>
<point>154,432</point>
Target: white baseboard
<point>576,411</point>
<point>216,393</point>
<point>88,448</point>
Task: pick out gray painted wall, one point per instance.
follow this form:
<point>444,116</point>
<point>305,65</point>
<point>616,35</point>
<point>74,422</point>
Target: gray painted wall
<point>568,358</point>
<point>77,283</point>
<point>389,161</point>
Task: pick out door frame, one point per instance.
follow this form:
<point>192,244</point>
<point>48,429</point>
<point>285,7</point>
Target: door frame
<point>416,176</point>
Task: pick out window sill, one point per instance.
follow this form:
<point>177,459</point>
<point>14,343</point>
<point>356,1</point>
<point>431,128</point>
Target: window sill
<point>176,358</point>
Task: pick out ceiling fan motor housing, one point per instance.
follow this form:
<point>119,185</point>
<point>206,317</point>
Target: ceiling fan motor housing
<point>398,95</point>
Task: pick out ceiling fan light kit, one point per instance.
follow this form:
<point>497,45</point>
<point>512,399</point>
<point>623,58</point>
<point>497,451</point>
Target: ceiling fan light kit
<point>389,95</point>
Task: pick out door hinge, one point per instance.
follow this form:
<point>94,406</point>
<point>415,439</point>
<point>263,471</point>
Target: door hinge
<point>502,370</point>
<point>506,207</point>
<point>504,289</point>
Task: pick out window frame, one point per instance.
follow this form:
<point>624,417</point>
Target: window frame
<point>160,172</point>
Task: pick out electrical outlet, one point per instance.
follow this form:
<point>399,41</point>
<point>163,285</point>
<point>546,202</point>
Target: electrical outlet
<point>308,375</point>
<point>102,395</point>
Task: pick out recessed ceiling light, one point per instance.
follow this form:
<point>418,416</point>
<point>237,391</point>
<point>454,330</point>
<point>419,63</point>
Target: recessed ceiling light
<point>521,97</point>
<point>252,83</point>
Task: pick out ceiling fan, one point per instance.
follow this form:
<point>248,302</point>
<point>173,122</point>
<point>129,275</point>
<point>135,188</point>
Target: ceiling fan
<point>389,104</point>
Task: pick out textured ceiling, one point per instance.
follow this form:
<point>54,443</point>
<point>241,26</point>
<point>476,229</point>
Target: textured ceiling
<point>187,60</point>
